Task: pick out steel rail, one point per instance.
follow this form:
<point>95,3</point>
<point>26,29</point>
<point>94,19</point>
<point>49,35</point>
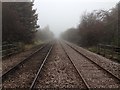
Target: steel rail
<point>94,62</point>
<point>84,81</point>
<point>41,66</point>
<point>2,77</point>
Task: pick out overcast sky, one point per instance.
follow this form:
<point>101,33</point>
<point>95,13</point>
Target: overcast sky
<point>63,14</point>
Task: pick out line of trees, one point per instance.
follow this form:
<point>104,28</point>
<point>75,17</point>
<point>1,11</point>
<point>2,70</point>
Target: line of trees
<point>44,34</point>
<point>19,22</point>
<point>99,26</point>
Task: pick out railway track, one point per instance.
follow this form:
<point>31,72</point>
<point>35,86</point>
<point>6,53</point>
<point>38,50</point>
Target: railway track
<point>26,69</point>
<point>12,69</point>
<point>58,72</point>
<point>89,71</point>
<point>39,70</point>
<point>26,73</point>
<point>85,83</point>
<point>112,74</point>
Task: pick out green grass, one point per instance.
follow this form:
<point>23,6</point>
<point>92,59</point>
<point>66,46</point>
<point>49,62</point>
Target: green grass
<point>107,55</point>
<point>29,46</point>
<point>92,49</point>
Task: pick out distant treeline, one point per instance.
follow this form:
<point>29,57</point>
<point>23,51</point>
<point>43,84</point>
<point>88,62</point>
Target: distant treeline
<point>98,26</point>
<point>44,34</point>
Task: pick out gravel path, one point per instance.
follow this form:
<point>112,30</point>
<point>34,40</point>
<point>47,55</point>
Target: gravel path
<point>95,76</point>
<point>15,59</point>
<point>58,72</point>
<point>111,66</point>
<point>24,76</point>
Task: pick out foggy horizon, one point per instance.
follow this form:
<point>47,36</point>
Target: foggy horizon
<point>60,44</point>
<point>62,15</point>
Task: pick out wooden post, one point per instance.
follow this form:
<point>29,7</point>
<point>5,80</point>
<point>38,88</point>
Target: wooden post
<point>104,50</point>
<point>98,49</point>
<point>112,53</point>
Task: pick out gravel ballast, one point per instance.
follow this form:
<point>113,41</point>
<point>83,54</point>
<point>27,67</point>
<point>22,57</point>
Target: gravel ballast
<point>15,59</point>
<point>109,65</point>
<point>59,72</point>
<point>94,75</point>
<point>23,77</point>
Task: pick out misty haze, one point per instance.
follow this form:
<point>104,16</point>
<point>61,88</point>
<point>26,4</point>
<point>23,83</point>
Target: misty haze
<point>60,44</point>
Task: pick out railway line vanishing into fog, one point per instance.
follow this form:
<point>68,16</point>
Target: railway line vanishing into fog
<point>93,75</point>
<point>23,73</point>
<point>60,64</point>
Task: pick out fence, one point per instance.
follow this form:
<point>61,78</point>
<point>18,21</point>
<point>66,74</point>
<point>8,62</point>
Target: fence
<point>8,49</point>
<point>109,51</point>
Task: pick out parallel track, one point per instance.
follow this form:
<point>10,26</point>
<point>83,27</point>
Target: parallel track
<point>85,82</point>
<point>41,66</point>
<point>95,63</point>
<point>32,86</point>
<point>5,74</point>
<point>45,52</point>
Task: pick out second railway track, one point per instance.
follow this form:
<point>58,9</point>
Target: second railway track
<point>92,74</point>
<point>39,70</point>
<point>26,72</point>
<point>15,67</point>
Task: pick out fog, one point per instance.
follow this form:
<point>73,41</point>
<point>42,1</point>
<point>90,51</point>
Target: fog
<point>63,14</point>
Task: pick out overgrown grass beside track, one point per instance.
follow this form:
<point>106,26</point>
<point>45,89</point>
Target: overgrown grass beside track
<point>29,46</point>
<point>10,49</point>
<point>108,54</point>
